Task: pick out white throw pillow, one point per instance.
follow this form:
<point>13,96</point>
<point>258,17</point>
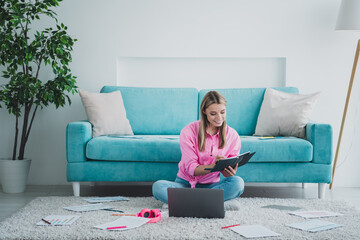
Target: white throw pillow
<point>106,112</point>
<point>284,114</point>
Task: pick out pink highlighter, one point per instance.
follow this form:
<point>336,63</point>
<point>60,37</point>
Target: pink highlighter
<point>110,228</point>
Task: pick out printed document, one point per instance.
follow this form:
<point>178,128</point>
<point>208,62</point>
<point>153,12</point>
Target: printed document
<point>315,214</point>
<point>254,231</point>
<point>128,221</point>
<point>89,207</point>
<point>314,225</point>
<point>105,199</point>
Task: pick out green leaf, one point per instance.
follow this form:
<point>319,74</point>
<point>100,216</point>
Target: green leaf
<point>23,51</point>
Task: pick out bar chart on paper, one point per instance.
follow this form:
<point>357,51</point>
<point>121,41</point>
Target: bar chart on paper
<point>58,220</point>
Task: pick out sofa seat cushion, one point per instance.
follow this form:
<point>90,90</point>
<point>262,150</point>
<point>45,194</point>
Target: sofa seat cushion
<point>139,148</point>
<point>166,148</point>
<point>280,149</point>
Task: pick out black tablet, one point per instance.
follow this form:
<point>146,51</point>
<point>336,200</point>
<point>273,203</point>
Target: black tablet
<point>224,163</point>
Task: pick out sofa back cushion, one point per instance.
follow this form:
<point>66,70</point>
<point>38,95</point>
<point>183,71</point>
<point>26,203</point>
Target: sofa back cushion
<point>243,106</point>
<point>158,111</point>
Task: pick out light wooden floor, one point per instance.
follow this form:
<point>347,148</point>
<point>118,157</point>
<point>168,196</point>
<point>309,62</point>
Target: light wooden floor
<point>10,203</point>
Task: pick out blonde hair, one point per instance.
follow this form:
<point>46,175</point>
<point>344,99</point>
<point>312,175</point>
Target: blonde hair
<point>212,97</point>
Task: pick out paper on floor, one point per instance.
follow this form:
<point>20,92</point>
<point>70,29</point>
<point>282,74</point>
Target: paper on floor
<point>254,231</point>
<point>315,214</point>
<point>58,220</point>
<point>88,207</point>
<point>128,221</point>
<point>105,199</point>
<point>314,225</point>
<point>281,207</point>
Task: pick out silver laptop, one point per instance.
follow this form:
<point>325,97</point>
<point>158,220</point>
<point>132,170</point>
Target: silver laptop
<point>196,202</point>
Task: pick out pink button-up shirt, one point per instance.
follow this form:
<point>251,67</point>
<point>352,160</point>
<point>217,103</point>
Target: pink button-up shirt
<point>192,157</point>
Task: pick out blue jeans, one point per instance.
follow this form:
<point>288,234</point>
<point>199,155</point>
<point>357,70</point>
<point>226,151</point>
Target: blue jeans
<point>233,187</point>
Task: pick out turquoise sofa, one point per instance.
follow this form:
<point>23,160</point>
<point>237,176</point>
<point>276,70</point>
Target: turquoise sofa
<point>157,116</point>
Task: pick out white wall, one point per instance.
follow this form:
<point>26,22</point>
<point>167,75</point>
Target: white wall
<point>215,71</point>
<point>301,31</point>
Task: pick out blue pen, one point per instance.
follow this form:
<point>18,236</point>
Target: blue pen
<point>113,210</point>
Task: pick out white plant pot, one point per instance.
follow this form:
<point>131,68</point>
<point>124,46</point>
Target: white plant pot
<point>14,174</point>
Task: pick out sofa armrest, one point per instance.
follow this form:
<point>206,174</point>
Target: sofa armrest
<point>320,135</point>
<point>77,136</point>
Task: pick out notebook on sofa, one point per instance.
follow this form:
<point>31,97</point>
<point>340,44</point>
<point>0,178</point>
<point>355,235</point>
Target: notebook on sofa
<point>196,202</point>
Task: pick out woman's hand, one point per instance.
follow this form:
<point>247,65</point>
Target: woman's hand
<point>229,171</point>
<point>199,170</point>
<point>218,158</point>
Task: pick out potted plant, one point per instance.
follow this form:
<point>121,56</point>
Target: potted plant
<point>23,51</point>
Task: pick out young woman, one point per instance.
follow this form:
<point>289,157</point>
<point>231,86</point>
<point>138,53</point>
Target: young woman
<point>202,144</point>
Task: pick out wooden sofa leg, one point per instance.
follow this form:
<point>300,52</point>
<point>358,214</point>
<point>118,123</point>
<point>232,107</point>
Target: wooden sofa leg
<point>321,190</point>
<point>76,189</point>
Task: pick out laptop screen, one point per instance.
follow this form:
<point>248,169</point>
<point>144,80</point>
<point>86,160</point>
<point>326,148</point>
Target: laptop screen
<point>196,202</point>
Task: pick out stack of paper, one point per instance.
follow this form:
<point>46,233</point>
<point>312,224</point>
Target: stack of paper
<point>315,214</point>
<point>314,225</point>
